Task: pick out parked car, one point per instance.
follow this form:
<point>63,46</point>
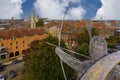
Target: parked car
<point>2,67</point>
<point>110,51</point>
<point>16,61</point>
<point>2,77</point>
<point>12,74</point>
<point>115,50</point>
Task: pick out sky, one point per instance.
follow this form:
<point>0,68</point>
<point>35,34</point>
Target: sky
<point>55,9</point>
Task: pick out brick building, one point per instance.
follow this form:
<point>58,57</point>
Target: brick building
<point>72,28</point>
<point>104,30</point>
<point>15,42</point>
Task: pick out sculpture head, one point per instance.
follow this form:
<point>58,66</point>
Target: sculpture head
<point>97,47</point>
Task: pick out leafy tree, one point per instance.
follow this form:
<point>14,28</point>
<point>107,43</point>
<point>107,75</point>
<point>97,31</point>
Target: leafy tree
<point>94,32</point>
<point>84,36</point>
<point>83,49</point>
<point>43,63</point>
<point>111,41</point>
<point>83,41</point>
<point>118,39</point>
<point>40,23</point>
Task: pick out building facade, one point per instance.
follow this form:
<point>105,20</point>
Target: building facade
<point>17,41</point>
<point>72,28</point>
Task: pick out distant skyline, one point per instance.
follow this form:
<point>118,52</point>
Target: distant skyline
<point>55,9</point>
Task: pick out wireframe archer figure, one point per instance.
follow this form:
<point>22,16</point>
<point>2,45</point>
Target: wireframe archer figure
<point>97,50</point>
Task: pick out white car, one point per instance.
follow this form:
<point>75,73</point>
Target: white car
<point>2,77</point>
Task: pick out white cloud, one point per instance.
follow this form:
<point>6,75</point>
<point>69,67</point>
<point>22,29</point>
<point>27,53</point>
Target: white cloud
<point>55,9</point>
<point>110,10</point>
<point>76,13</point>
<point>11,8</point>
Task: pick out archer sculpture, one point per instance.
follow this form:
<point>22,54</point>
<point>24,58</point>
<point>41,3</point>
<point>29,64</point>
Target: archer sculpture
<point>97,51</point>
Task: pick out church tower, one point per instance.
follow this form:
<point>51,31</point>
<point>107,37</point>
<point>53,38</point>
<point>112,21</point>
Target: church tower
<point>33,22</point>
<point>101,19</point>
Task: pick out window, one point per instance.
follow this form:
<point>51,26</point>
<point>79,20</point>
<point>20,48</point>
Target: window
<point>16,42</point>
<point>10,44</point>
<point>2,45</point>
<point>23,41</point>
<point>17,53</point>
<point>16,47</point>
<point>10,48</point>
<point>14,38</point>
<point>23,52</point>
<point>3,56</point>
<point>3,50</point>
<point>11,55</point>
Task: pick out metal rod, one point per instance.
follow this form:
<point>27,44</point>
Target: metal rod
<point>68,50</point>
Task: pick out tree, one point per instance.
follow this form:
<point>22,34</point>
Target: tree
<point>40,23</point>
<point>43,63</point>
<point>83,41</point>
<point>83,49</point>
<point>118,39</point>
<point>111,41</point>
<point>84,36</point>
<point>94,32</point>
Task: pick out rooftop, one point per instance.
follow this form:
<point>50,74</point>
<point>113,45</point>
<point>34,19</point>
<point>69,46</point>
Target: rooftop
<point>8,34</point>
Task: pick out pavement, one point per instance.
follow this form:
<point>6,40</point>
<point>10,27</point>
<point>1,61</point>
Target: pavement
<point>8,63</point>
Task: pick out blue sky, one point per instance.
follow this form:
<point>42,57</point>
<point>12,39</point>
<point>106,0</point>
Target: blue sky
<point>91,7</point>
<point>55,9</point>
<point>27,8</point>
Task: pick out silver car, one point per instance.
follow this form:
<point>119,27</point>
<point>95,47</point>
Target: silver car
<point>2,77</point>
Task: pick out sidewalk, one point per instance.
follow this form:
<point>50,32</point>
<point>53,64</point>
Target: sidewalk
<point>9,62</point>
